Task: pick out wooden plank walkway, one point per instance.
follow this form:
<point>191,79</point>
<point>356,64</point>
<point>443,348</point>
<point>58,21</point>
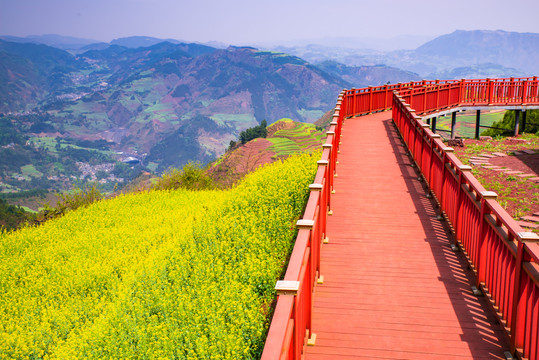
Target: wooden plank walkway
<point>393,289</point>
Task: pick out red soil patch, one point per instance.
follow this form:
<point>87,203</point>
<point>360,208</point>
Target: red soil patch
<point>243,160</point>
<point>519,196</point>
<point>528,164</point>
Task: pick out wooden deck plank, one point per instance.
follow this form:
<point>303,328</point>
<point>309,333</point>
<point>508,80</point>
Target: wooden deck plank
<point>393,288</point>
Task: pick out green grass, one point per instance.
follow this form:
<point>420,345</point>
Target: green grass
<point>49,143</point>
<point>466,123</point>
<point>302,134</point>
<point>29,210</point>
<point>152,166</point>
<point>30,170</point>
<point>283,146</point>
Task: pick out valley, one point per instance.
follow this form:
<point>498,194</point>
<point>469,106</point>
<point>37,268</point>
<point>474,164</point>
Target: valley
<point>73,111</point>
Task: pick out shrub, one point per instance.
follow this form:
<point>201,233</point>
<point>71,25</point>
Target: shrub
<point>69,201</point>
<point>191,177</point>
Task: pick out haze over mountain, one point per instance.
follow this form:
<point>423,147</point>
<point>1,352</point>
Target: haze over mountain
<point>58,41</point>
<point>474,52</point>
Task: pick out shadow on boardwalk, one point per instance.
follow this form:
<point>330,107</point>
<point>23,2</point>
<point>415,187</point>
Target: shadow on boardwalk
<point>476,320</point>
<point>393,289</point>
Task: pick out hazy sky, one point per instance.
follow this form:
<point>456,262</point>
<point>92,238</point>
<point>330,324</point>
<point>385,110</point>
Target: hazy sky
<point>252,21</point>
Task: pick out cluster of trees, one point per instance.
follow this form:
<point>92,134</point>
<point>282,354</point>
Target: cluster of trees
<point>249,134</point>
<point>506,126</point>
<point>11,216</point>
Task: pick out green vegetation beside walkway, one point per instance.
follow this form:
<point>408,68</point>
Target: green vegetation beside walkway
<point>157,274</point>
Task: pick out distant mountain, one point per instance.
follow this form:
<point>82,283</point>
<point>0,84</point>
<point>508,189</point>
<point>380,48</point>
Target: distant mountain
<point>30,72</point>
<point>141,41</point>
<point>437,58</point>
<point>510,49</point>
<point>350,42</point>
<point>165,104</point>
<point>479,71</point>
<point>57,41</point>
<point>363,76</point>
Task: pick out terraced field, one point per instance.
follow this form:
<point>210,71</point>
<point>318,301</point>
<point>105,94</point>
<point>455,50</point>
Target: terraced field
<point>293,137</point>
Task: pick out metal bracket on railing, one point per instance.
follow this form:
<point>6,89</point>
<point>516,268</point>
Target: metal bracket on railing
<point>316,187</point>
<point>528,236</point>
<point>328,146</point>
<point>305,224</point>
<point>323,162</point>
<point>287,287</point>
<point>476,291</point>
<point>330,133</point>
<point>488,195</point>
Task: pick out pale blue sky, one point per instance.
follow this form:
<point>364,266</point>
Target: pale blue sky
<point>251,22</point>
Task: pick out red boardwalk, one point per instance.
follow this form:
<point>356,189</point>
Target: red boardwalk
<point>393,289</point>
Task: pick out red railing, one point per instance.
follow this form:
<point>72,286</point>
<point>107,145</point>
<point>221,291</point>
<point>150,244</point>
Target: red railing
<point>291,323</point>
<point>504,258</point>
<point>501,254</point>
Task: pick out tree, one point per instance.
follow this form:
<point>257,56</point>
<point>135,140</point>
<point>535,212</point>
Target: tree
<point>506,126</point>
<point>259,131</point>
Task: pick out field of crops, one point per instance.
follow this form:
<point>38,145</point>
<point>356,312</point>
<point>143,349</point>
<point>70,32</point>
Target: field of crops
<point>299,137</point>
<point>162,274</point>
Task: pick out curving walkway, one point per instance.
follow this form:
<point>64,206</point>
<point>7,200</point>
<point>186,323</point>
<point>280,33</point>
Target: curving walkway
<point>393,288</point>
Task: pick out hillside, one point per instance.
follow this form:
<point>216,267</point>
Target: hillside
<point>164,104</point>
<point>284,138</point>
<point>193,280</point>
<point>364,76</point>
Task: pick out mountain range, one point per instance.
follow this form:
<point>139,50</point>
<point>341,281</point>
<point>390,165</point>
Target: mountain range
<point>168,102</point>
<point>473,52</point>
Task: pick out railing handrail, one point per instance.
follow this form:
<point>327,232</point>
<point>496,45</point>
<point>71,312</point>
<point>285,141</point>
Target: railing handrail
<point>505,258</point>
<point>291,325</point>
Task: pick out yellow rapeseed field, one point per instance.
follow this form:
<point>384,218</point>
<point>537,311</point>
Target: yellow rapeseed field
<point>155,275</point>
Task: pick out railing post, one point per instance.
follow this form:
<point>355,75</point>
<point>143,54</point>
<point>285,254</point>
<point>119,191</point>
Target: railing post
<point>437,94</point>
<point>386,93</point>
<point>442,199</point>
<point>489,86</point>
<point>477,123</point>
<point>517,123</point>
<point>370,100</point>
<point>511,87</point>
<point>481,246</point>
<point>461,91</point>
<point>461,197</point>
<point>517,316</point>
<point>424,88</point>
<point>453,124</point>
